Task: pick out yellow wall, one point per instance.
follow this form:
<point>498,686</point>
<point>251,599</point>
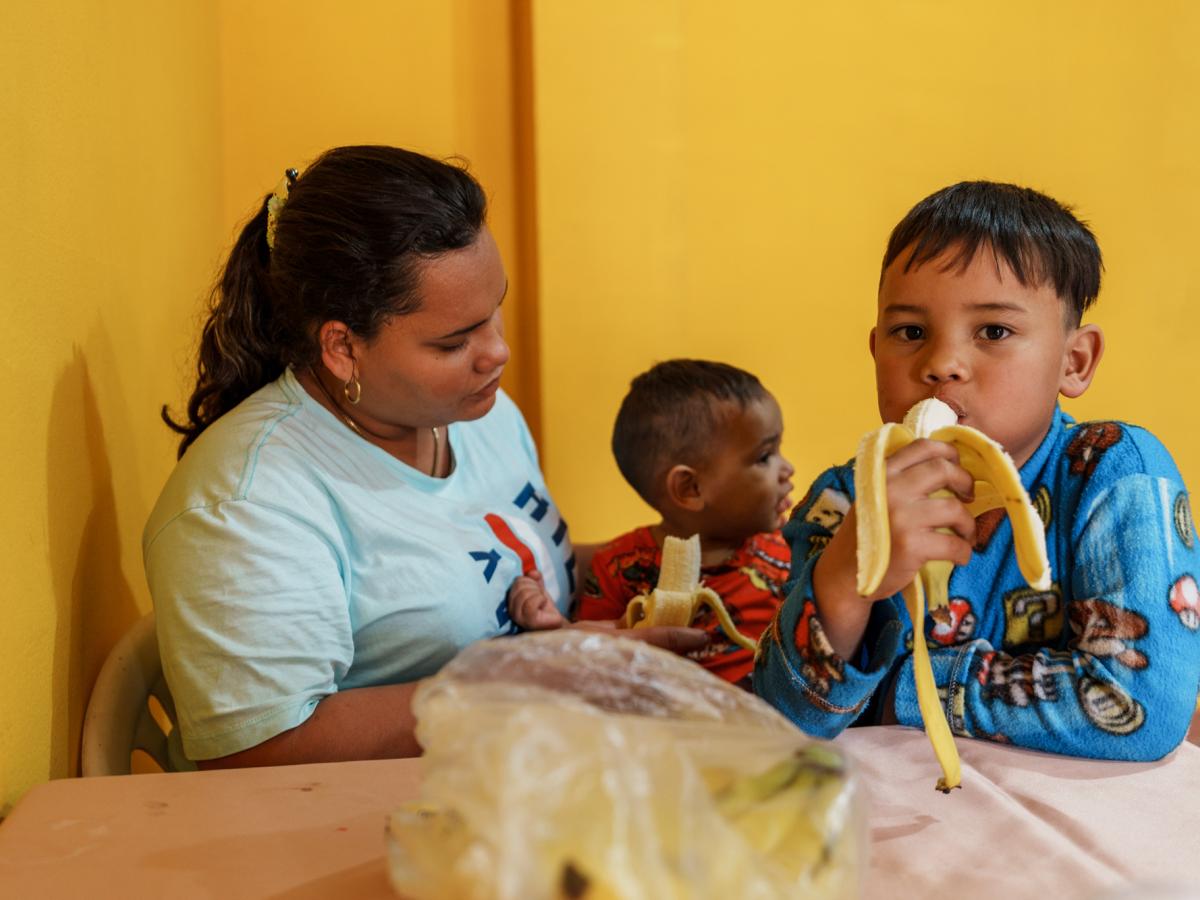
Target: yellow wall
<point>719,180</point>
<point>109,153</point>
<point>134,138</point>
<point>300,76</point>
<point>709,183</point>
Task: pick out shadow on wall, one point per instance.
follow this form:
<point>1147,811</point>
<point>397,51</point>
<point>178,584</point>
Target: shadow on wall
<point>94,602</point>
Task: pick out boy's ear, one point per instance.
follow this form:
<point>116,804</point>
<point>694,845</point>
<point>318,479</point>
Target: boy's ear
<point>337,354</point>
<point>871,343</point>
<point>683,488</point>
<point>1084,348</point>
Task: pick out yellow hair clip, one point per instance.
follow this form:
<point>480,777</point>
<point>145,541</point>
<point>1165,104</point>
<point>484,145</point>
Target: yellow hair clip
<point>275,204</point>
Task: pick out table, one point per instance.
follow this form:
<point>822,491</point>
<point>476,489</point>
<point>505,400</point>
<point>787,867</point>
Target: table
<point>1026,824</point>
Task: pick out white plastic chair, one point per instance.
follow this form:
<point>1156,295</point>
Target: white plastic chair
<point>131,716</point>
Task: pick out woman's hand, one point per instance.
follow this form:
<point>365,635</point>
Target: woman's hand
<point>375,722</point>
<point>670,637</point>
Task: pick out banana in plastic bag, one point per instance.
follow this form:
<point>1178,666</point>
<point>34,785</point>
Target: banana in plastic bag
<point>574,764</point>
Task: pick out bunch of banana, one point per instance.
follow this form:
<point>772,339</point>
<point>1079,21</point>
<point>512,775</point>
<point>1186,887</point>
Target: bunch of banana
<point>797,816</point>
<point>679,595</point>
<point>997,484</point>
<point>792,813</point>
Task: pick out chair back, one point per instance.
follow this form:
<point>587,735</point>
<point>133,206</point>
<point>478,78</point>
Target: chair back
<point>131,716</point>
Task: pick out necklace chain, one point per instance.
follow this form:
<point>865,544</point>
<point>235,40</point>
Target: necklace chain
<point>362,432</point>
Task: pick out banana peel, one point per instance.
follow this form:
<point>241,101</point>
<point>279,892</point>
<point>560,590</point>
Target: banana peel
<point>679,596</point>
<point>997,484</point>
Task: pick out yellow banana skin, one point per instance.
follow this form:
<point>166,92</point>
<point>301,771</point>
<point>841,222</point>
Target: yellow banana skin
<point>997,484</point>
<point>679,595</point>
<point>786,811</point>
<point>937,729</point>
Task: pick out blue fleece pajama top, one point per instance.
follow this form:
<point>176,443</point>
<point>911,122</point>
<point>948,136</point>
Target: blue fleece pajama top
<point>1105,664</point>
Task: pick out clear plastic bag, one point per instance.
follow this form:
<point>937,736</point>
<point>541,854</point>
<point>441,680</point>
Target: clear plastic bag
<point>572,764</point>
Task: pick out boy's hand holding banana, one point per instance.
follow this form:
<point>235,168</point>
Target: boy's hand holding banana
<point>880,572</point>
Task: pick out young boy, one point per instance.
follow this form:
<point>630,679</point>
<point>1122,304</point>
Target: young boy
<point>982,290</point>
<point>699,441</point>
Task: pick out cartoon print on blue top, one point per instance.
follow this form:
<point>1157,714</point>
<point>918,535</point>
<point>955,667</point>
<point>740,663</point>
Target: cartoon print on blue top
<point>822,666</point>
<point>1023,680</point>
<point>827,512</point>
<point>986,525</point>
<point>1105,630</point>
<point>1185,527</point>
<point>1185,602</point>
<point>956,709</point>
<point>1108,705</point>
<point>1032,616</point>
<point>829,509</point>
<point>1089,444</point>
<point>1043,505</point>
<point>953,623</point>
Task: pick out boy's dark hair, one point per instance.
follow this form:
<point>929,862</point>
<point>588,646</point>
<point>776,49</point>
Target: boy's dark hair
<point>669,416</point>
<point>1040,239</point>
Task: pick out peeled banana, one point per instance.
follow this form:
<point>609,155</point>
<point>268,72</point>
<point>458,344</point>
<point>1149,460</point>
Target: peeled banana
<point>679,595</point>
<point>997,484</point>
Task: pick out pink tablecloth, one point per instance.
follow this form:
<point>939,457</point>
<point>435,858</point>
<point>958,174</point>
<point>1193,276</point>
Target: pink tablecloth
<point>1024,825</point>
<point>1027,824</point>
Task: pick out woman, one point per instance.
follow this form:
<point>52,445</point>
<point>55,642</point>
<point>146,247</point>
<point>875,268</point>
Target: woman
<point>356,494</point>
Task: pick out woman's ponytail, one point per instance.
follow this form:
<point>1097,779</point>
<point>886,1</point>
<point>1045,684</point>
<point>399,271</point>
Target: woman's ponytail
<point>238,352</point>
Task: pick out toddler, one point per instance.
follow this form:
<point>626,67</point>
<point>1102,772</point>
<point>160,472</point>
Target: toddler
<point>700,442</point>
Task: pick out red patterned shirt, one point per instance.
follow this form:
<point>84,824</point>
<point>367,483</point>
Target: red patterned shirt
<point>750,582</point>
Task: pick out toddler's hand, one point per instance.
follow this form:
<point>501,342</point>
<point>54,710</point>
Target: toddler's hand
<point>531,607</point>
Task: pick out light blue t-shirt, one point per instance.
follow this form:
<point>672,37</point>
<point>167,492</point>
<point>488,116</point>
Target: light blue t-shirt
<point>288,558</point>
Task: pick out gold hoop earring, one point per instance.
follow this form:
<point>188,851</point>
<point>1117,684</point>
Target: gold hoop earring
<point>352,389</point>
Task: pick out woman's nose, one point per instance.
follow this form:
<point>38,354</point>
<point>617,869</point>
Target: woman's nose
<point>494,352</point>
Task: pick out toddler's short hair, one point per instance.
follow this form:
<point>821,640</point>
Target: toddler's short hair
<point>669,416</point>
<point>1040,239</point>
